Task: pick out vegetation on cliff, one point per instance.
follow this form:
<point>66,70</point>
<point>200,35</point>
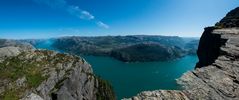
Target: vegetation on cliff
<point>104,90</point>
<point>30,69</point>
<point>46,73</point>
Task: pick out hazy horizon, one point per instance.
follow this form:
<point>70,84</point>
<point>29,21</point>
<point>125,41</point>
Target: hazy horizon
<point>37,19</point>
<point>95,36</point>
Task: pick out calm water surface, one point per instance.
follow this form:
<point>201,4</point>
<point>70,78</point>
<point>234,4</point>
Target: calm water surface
<point>128,79</point>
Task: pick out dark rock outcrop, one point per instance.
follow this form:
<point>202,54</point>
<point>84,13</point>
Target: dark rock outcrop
<point>209,47</point>
<point>230,20</point>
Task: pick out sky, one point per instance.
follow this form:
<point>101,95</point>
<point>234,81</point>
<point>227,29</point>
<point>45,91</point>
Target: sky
<point>23,19</point>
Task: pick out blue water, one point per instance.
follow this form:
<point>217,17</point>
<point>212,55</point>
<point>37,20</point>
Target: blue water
<point>128,79</point>
<point>47,44</point>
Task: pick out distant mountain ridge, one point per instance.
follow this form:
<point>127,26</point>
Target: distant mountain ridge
<point>115,45</point>
<point>147,52</point>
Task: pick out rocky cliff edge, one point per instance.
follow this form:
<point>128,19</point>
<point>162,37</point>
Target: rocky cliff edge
<point>29,74</point>
<point>216,75</point>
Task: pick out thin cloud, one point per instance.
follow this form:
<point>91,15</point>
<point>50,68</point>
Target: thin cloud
<point>86,15</point>
<point>103,25</point>
<point>82,14</point>
<point>73,10</point>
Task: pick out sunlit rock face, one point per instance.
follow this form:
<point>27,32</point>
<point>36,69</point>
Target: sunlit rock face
<point>29,74</point>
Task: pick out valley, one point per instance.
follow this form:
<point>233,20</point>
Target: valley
<point>138,76</point>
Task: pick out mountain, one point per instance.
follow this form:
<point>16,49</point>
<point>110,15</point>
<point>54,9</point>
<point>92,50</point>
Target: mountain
<point>147,52</point>
<point>216,74</point>
<point>192,46</point>
<point>22,45</point>
<point>127,48</point>
<point>31,74</point>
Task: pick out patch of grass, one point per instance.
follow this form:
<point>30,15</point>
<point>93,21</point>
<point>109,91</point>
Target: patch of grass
<point>17,67</point>
<point>12,68</point>
<point>35,80</point>
<point>32,68</point>
<point>10,96</point>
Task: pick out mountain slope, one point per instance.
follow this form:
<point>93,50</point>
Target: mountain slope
<point>147,52</point>
<point>47,75</point>
<point>115,46</point>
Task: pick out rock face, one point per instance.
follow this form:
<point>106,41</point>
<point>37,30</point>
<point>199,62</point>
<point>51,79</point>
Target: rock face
<point>160,95</point>
<point>216,76</point>
<point>231,19</point>
<point>209,47</point>
<point>47,75</point>
<point>218,80</point>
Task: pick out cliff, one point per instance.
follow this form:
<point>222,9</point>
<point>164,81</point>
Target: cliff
<point>30,74</point>
<point>216,75</point>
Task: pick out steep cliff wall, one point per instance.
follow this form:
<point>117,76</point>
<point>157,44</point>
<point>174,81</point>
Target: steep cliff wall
<point>209,47</point>
<point>219,79</point>
<point>47,75</point>
<point>216,75</point>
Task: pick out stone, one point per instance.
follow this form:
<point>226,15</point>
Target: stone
<point>32,96</point>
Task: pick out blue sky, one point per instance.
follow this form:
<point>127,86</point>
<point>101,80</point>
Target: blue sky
<point>54,18</point>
